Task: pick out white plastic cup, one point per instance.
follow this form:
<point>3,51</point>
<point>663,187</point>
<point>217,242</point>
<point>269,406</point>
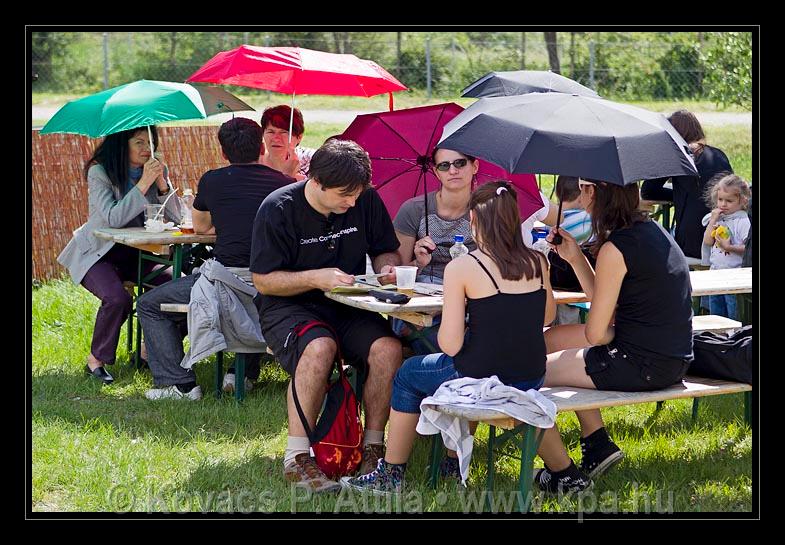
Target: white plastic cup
<point>404,278</point>
<point>153,218</point>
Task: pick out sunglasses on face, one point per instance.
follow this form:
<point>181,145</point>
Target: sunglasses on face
<point>444,166</point>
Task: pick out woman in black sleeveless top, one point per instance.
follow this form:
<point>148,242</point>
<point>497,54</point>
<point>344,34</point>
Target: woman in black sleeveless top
<point>638,336</point>
<point>506,289</point>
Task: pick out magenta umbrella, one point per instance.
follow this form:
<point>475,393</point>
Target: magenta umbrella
<point>400,144</point>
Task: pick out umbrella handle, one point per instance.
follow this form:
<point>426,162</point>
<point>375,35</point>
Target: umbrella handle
<point>557,238</point>
<point>291,120</point>
<point>152,154</point>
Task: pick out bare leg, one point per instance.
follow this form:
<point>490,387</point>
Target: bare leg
<point>400,437</point>
<point>311,375</point>
<point>384,359</point>
<point>93,363</point>
<point>568,368</point>
<point>552,450</point>
<point>562,337</point>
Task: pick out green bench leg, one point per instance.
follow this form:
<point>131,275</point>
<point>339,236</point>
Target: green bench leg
<point>491,467</point>
<point>436,456</point>
<point>239,377</point>
<point>695,405</point>
<point>529,444</point>
<point>660,405</point>
<point>218,374</point>
<point>748,408</point>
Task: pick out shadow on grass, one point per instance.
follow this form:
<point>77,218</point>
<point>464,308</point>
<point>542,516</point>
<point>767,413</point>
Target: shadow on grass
<point>77,398</point>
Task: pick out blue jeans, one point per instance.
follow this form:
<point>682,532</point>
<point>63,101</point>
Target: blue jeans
<point>420,377</point>
<point>723,305</point>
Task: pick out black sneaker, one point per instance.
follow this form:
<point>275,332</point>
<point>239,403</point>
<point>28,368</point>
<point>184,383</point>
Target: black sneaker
<point>566,481</point>
<point>599,457</point>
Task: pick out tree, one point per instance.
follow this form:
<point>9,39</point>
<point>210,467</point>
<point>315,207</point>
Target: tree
<point>729,68</point>
<point>553,52</point>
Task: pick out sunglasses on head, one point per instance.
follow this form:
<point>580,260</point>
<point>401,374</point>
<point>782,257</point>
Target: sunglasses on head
<point>584,183</point>
<point>444,166</point>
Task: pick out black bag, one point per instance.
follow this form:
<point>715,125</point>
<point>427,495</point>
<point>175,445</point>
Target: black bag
<point>724,357</point>
<point>562,276</point>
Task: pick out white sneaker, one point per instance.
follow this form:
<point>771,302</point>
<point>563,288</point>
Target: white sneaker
<point>228,384</point>
<point>171,392</point>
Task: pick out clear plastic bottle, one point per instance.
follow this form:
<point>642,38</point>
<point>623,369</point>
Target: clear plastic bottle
<point>187,223</point>
<point>540,243</point>
<point>458,248</point>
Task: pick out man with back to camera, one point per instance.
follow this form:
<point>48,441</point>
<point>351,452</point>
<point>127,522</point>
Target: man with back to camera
<point>227,202</point>
<point>308,238</point>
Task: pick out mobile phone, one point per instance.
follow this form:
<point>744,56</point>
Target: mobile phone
<point>390,296</point>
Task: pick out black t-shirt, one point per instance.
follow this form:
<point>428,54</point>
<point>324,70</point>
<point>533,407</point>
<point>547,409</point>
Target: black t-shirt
<point>654,313</point>
<point>233,195</point>
<point>289,235</point>
<point>687,197</point>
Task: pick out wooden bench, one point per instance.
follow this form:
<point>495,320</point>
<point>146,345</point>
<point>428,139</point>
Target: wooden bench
<point>239,360</point>
<point>572,399</point>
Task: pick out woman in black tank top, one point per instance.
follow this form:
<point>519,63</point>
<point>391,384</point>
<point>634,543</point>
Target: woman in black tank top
<point>638,335</point>
<point>503,324</point>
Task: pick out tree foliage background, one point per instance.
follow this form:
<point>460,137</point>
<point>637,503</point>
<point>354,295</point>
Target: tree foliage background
<point>620,65</point>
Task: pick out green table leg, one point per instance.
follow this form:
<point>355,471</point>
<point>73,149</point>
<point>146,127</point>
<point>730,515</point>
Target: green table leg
<point>666,216</point>
<point>695,406</point>
<point>139,291</point>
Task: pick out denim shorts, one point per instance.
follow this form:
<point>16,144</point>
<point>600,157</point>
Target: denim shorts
<point>420,377</point>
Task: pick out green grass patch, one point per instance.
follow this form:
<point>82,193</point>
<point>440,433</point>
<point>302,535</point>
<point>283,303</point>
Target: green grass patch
<point>107,448</point>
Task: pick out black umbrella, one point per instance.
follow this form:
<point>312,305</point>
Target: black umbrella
<point>520,82</point>
<point>556,133</point>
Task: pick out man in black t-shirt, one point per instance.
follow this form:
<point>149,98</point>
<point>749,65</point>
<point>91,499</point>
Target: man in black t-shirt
<point>308,238</point>
<point>226,204</point>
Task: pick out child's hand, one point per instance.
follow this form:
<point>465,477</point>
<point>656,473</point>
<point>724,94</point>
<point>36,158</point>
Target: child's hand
<point>715,214</point>
<point>723,243</point>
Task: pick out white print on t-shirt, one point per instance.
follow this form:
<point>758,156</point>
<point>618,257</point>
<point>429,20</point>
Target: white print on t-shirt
<point>325,238</point>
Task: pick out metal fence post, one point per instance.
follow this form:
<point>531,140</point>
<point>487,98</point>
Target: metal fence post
<point>428,65</point>
<point>106,60</point>
<point>591,65</point>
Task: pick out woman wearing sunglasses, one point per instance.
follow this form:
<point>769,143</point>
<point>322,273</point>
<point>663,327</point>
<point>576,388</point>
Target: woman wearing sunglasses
<point>638,336</point>
<point>426,238</point>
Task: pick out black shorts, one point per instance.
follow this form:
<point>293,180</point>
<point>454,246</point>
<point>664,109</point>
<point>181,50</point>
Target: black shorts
<point>613,368</point>
<point>357,330</point>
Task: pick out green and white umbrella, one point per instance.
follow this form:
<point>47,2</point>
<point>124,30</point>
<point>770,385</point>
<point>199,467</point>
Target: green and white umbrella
<point>139,104</point>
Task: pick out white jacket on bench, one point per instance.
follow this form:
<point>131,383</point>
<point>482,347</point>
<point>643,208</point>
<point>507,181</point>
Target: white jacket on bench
<point>487,394</point>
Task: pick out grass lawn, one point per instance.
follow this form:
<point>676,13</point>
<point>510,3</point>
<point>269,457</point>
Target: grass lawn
<point>107,448</point>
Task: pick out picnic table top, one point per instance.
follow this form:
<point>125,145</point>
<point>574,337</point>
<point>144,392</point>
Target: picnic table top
<point>706,282</point>
<point>138,236</point>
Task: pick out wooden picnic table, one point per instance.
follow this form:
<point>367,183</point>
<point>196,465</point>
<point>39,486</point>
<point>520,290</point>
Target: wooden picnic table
<point>421,308</point>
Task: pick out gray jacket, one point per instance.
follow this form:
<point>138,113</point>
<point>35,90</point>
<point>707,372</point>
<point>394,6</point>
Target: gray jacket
<point>222,314</point>
<point>107,209</point>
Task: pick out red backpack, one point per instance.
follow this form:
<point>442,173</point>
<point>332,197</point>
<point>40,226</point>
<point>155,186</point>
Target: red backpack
<point>337,438</point>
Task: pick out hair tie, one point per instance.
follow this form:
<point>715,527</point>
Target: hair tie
<point>500,189</point>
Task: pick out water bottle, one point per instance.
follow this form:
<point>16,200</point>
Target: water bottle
<point>540,243</point>
<point>187,223</point>
<point>458,248</point>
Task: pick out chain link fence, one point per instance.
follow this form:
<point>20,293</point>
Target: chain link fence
<point>629,66</point>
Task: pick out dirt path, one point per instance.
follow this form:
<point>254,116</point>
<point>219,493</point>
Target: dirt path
<point>344,117</point>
